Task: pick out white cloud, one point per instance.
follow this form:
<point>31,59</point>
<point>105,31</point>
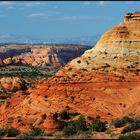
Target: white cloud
<point>36,15</point>
<point>86,17</point>
<point>43,14</point>
<point>104,2</point>
<point>34,3</point>
<point>6,2</point>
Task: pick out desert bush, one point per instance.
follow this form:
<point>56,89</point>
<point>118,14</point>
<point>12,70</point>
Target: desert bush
<point>131,127</point>
<point>75,126</point>
<point>80,124</point>
<point>12,132</point>
<point>2,132</point>
<point>25,136</point>
<point>35,131</point>
<point>69,129</point>
<point>122,121</point>
<point>64,115</point>
<point>130,136</point>
<point>98,126</point>
<point>82,135</point>
<point>117,123</point>
<point>55,115</point>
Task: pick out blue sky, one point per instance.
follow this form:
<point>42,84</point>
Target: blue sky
<point>62,19</point>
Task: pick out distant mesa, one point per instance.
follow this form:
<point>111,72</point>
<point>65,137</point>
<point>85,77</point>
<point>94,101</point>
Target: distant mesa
<point>39,55</point>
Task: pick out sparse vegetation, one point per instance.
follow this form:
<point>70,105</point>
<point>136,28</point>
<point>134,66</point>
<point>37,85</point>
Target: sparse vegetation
<point>74,127</point>
<point>120,122</point>
<point>35,131</point>
<point>26,136</point>
<point>131,127</point>
<point>80,126</point>
<point>28,71</point>
<point>2,132</point>
<point>98,126</point>
<point>12,132</point>
<point>130,136</point>
<point>64,115</point>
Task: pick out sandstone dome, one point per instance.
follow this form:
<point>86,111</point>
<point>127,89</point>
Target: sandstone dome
<point>118,50</point>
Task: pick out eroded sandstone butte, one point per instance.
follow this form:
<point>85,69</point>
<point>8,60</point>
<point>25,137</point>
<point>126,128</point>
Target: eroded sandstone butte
<point>104,81</point>
<point>39,55</point>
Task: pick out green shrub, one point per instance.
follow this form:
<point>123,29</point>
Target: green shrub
<point>80,124</point>
<point>69,129</point>
<point>64,115</point>
<point>75,126</point>
<point>130,136</point>
<point>26,136</point>
<point>98,126</point>
<point>12,132</point>
<point>2,132</point>
<point>35,131</point>
<point>82,135</point>
<point>121,122</point>
<point>55,115</point>
<point>117,123</point>
<point>131,127</point>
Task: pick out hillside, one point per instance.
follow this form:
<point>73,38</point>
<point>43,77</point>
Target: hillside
<point>103,82</point>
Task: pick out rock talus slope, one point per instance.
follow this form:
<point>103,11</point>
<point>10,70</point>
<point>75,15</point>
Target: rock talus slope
<point>104,81</point>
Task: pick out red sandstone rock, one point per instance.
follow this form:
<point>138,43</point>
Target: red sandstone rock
<point>12,83</point>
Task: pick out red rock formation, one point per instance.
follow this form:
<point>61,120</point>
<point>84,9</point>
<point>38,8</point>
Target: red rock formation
<point>39,55</point>
<point>50,124</point>
<point>12,83</point>
<point>103,81</point>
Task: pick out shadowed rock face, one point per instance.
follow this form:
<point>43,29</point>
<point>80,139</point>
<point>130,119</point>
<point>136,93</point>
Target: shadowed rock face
<point>39,55</point>
<point>103,81</point>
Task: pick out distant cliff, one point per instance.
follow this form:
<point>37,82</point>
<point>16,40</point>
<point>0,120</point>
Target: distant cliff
<point>39,55</point>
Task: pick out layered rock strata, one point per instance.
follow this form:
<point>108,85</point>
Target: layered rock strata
<point>39,55</point>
